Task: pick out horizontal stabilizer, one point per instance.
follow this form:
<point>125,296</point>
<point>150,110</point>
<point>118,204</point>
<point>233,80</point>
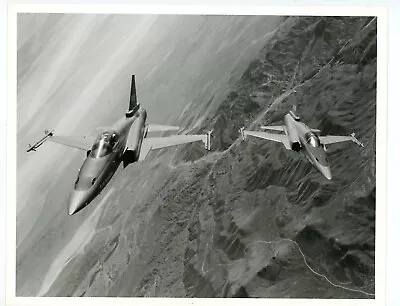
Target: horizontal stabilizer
<point>273,128</point>
<point>102,128</point>
<point>161,128</point>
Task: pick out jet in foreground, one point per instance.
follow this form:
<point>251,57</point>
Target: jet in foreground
<point>298,137</point>
<point>125,141</point>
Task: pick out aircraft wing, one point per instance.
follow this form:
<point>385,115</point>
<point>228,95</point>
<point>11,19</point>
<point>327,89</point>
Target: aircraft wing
<point>82,143</point>
<point>269,136</point>
<point>154,143</point>
<point>161,128</point>
<point>335,139</point>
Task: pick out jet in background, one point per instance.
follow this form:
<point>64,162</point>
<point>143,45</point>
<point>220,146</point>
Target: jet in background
<point>298,137</point>
<point>125,141</point>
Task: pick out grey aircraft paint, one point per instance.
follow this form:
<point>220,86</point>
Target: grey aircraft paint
<point>105,153</point>
<point>98,170</point>
<point>304,140</point>
<point>301,138</point>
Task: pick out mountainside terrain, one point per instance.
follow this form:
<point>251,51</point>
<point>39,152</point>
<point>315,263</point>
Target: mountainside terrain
<point>249,218</point>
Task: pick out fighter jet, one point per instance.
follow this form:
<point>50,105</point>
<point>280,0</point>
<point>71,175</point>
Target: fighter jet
<point>298,137</point>
<point>125,141</point>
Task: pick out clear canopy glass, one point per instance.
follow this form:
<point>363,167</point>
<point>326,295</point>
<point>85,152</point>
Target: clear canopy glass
<point>104,144</point>
<point>312,139</point>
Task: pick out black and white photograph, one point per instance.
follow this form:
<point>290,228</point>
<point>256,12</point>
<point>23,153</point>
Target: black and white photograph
<point>196,155</point>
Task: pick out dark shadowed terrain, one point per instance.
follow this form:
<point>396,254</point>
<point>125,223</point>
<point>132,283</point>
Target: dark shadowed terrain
<point>248,219</point>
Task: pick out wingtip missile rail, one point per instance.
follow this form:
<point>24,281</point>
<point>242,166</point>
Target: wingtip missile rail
<point>208,141</point>
<point>241,131</point>
<point>41,141</point>
<point>30,148</point>
<point>353,137</point>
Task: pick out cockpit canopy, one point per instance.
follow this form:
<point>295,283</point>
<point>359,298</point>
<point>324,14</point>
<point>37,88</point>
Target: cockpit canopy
<point>104,144</point>
<point>312,139</point>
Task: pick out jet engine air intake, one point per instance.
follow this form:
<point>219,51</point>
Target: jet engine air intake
<point>294,140</point>
<point>295,146</point>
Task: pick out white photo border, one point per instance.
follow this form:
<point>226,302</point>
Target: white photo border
<point>381,142</point>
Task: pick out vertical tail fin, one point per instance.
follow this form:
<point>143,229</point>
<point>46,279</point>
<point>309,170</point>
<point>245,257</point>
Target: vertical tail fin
<point>133,98</point>
<point>133,105</point>
<point>293,113</point>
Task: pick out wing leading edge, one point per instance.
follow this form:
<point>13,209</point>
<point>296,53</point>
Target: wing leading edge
<point>82,143</point>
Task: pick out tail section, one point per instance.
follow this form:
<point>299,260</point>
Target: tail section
<point>293,113</point>
<point>133,105</point>
<point>133,97</point>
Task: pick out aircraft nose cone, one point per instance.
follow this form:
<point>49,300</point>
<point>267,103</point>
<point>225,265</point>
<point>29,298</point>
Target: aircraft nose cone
<point>77,201</point>
<point>326,171</point>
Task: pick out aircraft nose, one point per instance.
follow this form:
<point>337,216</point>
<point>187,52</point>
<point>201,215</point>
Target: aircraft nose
<point>326,171</point>
<point>77,201</point>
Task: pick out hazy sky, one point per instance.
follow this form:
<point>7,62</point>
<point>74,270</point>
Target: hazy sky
<point>74,75</point>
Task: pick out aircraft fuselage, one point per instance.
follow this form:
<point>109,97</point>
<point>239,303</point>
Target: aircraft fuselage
<point>104,158</point>
<point>303,139</point>
<point>125,141</point>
